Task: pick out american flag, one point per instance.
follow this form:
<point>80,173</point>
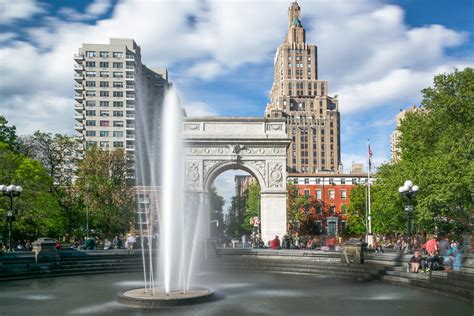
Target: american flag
<point>370,155</point>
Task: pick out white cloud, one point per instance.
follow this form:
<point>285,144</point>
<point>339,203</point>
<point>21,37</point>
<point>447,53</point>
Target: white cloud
<point>366,51</point>
<point>11,10</point>
<point>199,109</point>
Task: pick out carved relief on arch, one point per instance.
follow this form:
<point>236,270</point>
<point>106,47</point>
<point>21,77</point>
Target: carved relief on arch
<point>208,165</point>
<point>193,175</point>
<point>275,175</point>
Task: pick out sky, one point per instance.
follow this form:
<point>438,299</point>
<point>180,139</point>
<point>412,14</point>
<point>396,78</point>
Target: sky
<point>376,55</point>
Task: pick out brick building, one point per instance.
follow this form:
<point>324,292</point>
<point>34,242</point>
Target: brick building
<point>330,197</point>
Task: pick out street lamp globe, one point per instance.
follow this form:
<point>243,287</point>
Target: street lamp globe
<point>415,188</point>
<point>401,189</point>
<point>3,187</point>
<point>408,184</point>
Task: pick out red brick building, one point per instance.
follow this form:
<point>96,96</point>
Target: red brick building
<point>330,197</point>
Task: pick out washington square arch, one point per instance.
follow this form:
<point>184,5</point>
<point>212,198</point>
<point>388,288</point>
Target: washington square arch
<point>256,145</point>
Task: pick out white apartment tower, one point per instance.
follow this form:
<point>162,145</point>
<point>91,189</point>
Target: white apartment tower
<point>111,85</point>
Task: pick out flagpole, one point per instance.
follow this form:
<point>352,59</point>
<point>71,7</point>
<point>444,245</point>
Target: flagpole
<point>369,217</point>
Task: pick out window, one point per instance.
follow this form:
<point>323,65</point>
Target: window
<point>90,53</point>
<point>343,209</point>
<point>90,63</point>
<point>118,94</point>
<point>104,104</point>
<point>90,83</point>
<point>343,180</point>
<point>90,133</point>
<point>104,123</point>
<point>118,113</point>
<point>104,54</point>
<point>104,64</point>
<point>332,209</point>
<point>90,73</point>
<point>354,181</point>
<point>118,104</point>
<point>104,144</point>
<point>306,192</point>
<point>118,74</point>
<point>118,133</point>
<point>117,65</point>
<point>90,123</point>
<point>118,84</point>
<point>331,181</point>
<point>117,54</point>
<point>104,84</point>
<point>318,194</point>
<point>118,144</point>
<point>104,74</point>
<point>104,133</point>
<point>104,113</point>
<point>118,123</point>
<point>319,209</point>
<point>343,194</point>
<point>104,93</point>
<point>90,103</point>
<point>90,93</point>
<point>332,194</point>
<point>306,180</point>
<point>90,144</point>
<point>90,113</point>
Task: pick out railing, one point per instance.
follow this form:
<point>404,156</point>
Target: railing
<point>130,126</point>
<point>130,76</point>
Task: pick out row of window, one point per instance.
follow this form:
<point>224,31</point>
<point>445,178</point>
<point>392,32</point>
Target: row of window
<point>104,84</point>
<point>104,133</point>
<point>103,54</point>
<point>104,64</point>
<point>116,104</point>
<point>305,162</point>
<point>104,123</point>
<point>105,74</point>
<point>93,93</point>
<point>104,144</point>
<point>332,194</point>
<point>331,181</point>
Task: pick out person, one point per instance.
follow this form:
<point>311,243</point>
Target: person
<point>296,241</point>
<point>444,250</point>
<point>286,242</point>
<point>115,242</point>
<point>415,262</point>
<point>363,250</point>
<point>456,253</point>
<point>130,242</point>
<point>58,246</point>
<point>275,243</point>
<point>431,246</point>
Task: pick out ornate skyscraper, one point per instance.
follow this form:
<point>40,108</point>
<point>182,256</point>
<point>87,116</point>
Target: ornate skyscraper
<point>313,120</point>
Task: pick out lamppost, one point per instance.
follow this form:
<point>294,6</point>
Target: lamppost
<point>10,191</point>
<point>408,192</point>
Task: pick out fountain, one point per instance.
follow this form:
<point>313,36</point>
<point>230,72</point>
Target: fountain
<point>168,267</point>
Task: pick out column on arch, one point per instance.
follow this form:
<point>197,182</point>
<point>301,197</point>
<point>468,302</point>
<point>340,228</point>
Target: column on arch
<point>273,215</point>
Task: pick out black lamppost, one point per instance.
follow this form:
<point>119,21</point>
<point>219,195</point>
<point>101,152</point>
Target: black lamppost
<point>408,192</point>
<point>10,191</point>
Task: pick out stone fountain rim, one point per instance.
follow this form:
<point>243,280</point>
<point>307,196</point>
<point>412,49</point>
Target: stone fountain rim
<point>165,302</point>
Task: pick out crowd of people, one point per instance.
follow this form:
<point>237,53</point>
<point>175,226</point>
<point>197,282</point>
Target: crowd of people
<point>440,253</point>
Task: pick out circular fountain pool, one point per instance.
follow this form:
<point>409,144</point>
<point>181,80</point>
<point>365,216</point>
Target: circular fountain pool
<point>235,294</point>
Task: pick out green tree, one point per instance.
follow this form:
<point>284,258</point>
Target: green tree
<point>37,213</point>
<point>252,207</point>
<point>297,206</point>
<point>216,202</point>
<point>107,190</point>
<point>436,148</point>
<point>235,216</point>
<point>8,134</point>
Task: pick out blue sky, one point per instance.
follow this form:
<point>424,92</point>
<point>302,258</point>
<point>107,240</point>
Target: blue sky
<point>376,55</point>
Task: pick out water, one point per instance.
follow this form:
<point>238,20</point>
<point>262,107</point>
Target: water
<point>160,163</point>
<point>237,294</point>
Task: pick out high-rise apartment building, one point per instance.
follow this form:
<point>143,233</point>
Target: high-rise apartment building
<point>313,120</point>
<point>112,85</point>
<point>396,134</point>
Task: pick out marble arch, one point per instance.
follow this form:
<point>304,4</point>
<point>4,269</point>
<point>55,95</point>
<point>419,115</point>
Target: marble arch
<point>256,145</point>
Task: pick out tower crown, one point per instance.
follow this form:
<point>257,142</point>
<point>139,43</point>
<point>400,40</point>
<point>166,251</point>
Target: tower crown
<point>296,32</point>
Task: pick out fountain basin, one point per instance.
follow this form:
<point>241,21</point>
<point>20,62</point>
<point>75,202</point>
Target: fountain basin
<point>161,299</point>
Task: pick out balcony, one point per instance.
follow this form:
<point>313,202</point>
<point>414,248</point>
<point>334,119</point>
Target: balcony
<point>79,127</point>
<point>130,68</point>
<point>78,77</point>
<point>130,147</point>
<point>130,58</point>
<point>78,67</point>
<point>79,96</point>
<point>130,126</point>
<point>78,57</point>
<point>130,77</point>
<point>130,107</point>
<point>131,116</point>
<point>130,137</point>
<point>130,97</point>
<point>78,117</point>
<point>78,87</point>
<point>130,87</point>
